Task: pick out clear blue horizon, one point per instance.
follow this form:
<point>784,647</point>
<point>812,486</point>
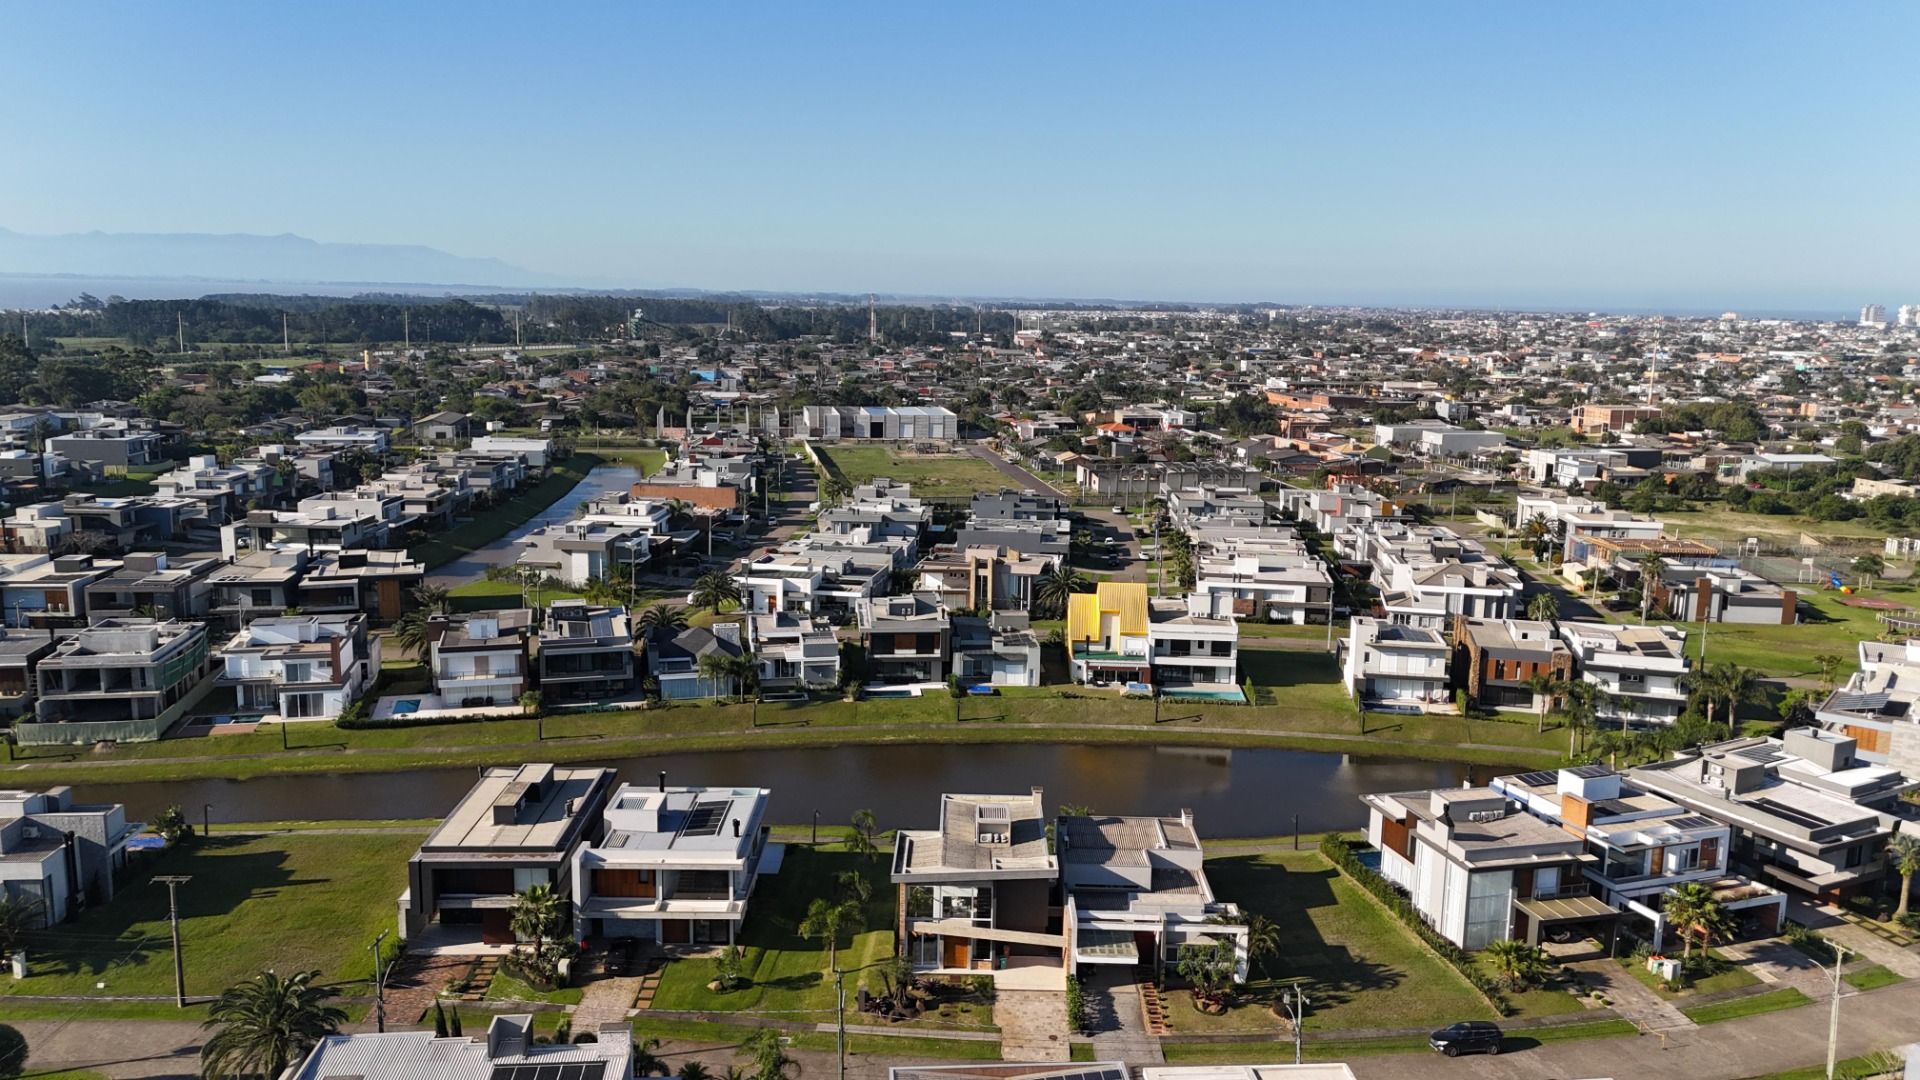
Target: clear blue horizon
<point>1684,158</point>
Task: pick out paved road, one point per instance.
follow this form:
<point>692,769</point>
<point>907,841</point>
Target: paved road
<point>1104,522</point>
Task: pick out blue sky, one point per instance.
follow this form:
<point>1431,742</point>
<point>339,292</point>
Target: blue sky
<point>1611,155</point>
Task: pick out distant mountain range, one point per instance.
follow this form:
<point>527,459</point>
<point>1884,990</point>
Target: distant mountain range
<point>245,257</point>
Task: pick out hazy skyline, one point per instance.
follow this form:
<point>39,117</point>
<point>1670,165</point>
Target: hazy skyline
<point>1622,157</point>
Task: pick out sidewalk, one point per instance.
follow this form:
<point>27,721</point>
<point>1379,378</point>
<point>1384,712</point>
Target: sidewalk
<point>1643,1008</point>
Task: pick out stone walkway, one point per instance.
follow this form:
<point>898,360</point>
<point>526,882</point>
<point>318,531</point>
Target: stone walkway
<point>414,984</point>
<point>1630,998</point>
<point>1780,965</point>
<point>605,1001</point>
<point>1033,1025</point>
<point>1118,1024</point>
<point>1857,940</point>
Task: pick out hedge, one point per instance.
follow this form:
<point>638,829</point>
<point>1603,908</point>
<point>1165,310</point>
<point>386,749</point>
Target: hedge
<point>1340,852</point>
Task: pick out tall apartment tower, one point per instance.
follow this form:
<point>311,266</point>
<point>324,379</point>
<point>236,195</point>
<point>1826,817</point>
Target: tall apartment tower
<point>1909,315</point>
<point>1873,315</point>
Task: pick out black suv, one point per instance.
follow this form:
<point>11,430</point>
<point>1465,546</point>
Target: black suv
<point>1474,1036</point>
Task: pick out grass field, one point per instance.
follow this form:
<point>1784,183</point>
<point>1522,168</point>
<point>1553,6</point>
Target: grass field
<point>1352,950</point>
<point>930,474</point>
<point>1729,977</point>
<point>1720,523</point>
<point>1714,1012</point>
<point>1872,978</point>
<point>289,902</point>
<point>491,525</point>
<point>1335,1048</point>
<point>787,972</point>
<point>1785,651</point>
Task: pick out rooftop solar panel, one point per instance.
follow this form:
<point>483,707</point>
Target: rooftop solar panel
<point>1535,779</point>
<point>705,818</point>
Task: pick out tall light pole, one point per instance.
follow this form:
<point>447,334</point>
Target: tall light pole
<point>173,883</point>
<point>1295,999</point>
<point>379,985</point>
<point>1833,1020</point>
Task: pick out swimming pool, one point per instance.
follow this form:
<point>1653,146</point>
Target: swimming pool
<point>1203,695</point>
<point>406,706</point>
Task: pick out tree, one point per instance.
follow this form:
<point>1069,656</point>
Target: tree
<point>265,1024</point>
<point>1543,607</point>
<point>18,915</point>
<point>713,591</point>
<point>530,703</point>
<point>1693,911</point>
<point>1053,588</point>
<point>1581,702</point>
<point>1903,854</point>
<point>854,885</point>
<point>172,825</point>
<point>1209,968</point>
<point>646,1062</point>
<point>717,668</point>
<point>864,840</point>
<point>536,917</point>
<point>1869,566</point>
<point>1652,566</point>
<point>1546,691</point>
<point>1828,665</point>
<point>823,923</point>
<point>410,630</point>
<point>434,598</point>
<point>693,1070</point>
<point>767,1055</point>
<point>607,593</point>
<point>835,490</point>
<point>661,620</point>
<point>1729,684</point>
<point>1263,940</point>
<point>1516,964</point>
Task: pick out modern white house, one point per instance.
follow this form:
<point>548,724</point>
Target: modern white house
<point>673,865</point>
<point>1137,894</point>
<point>300,667</point>
<point>1263,586</point>
<point>508,1052</point>
<point>1641,669</point>
<point>1192,654</point>
<point>1389,667</point>
<point>480,659</point>
<point>578,551</point>
<point>795,652</point>
<point>537,453</point>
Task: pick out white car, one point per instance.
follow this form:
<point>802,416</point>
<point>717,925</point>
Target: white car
<point>1119,509</point>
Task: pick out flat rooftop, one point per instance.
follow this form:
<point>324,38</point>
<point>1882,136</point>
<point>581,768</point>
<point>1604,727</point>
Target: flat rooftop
<point>547,803</point>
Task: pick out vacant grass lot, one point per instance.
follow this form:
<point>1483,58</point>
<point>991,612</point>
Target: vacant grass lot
<point>788,973</point>
<point>1752,1005</point>
<point>1721,523</point>
<point>1833,629</point>
<point>930,474</point>
<point>1358,958</point>
<point>290,902</point>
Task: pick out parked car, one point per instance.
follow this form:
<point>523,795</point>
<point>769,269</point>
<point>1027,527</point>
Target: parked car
<point>1471,1037</point>
<point>1119,509</point>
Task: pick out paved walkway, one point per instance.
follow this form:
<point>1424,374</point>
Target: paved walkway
<point>605,1001</point>
<point>413,985</point>
<point>1118,1024</point>
<point>1780,965</point>
<point>1855,939</point>
<point>1629,997</point>
<point>1033,1025</point>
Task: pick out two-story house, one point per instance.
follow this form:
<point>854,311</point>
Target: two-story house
<point>1494,661</point>
<point>58,856</point>
<point>674,865</point>
<point>479,659</point>
<point>1284,588</point>
<point>974,890</point>
<point>1192,654</point>
<point>1106,635</point>
<point>124,679</point>
<point>908,639</point>
<point>1641,669</point>
<point>1389,667</point>
<point>794,652</point>
<point>584,654</point>
<point>300,667</point>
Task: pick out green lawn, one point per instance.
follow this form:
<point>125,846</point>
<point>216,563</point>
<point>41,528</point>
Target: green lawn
<point>930,474</point>
<point>1720,523</point>
<point>1363,965</point>
<point>788,972</point>
<point>729,1035</point>
<point>1872,978</point>
<point>505,987</point>
<point>1335,1048</point>
<point>490,525</point>
<point>1729,976</point>
<point>1752,1005</point>
<point>288,902</point>
<point>484,595</point>
<point>1884,1063</point>
<point>1835,629</point>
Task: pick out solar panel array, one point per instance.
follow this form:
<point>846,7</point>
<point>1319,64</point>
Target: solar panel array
<point>1859,702</point>
<point>1535,779</point>
<point>578,1070</point>
<point>1763,755</point>
<point>706,818</point>
<point>1693,821</point>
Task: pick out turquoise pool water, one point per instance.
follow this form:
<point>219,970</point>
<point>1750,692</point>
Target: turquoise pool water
<point>402,708</point>
<point>1205,695</point>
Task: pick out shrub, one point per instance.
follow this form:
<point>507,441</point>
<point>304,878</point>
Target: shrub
<point>1076,1005</point>
<point>1340,852</point>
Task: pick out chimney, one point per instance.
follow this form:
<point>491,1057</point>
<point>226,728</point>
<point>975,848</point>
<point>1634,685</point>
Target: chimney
<point>736,828</point>
<point>663,780</point>
<point>507,1036</point>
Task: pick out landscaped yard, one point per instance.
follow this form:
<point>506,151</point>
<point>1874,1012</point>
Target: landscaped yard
<point>1725,975</point>
<point>787,973</point>
<point>930,474</point>
<point>1872,977</point>
<point>290,902</point>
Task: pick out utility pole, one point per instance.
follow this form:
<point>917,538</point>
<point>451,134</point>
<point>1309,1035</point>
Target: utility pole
<point>180,329</point>
<point>286,338</point>
<point>173,883</point>
<point>840,1016</point>
<point>379,985</point>
<point>1833,1021</point>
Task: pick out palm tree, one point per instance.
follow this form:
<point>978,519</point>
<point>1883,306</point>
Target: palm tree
<point>866,828</point>
<point>434,598</point>
<point>1582,700</point>
<point>1734,686</point>
<point>823,923</point>
<point>693,1070</point>
<point>599,590</point>
<point>1692,910</point>
<point>662,620</point>
<point>713,591</point>
<point>645,1061</point>
<point>1903,854</point>
<point>1543,607</point>
<point>265,1024</point>
<point>853,884</point>
<point>717,669</point>
<point>1263,940</point>
<point>530,702</point>
<point>410,630</point>
<point>1651,567</point>
<point>1516,964</point>
<point>768,1054</point>
<point>536,917</point>
<point>1546,688</point>
<point>1054,586</point>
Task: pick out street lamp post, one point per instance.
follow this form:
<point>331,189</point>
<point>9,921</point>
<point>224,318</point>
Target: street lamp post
<point>1833,1019</point>
<point>816,829</point>
<point>379,985</point>
<point>206,819</point>
<point>1295,999</point>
